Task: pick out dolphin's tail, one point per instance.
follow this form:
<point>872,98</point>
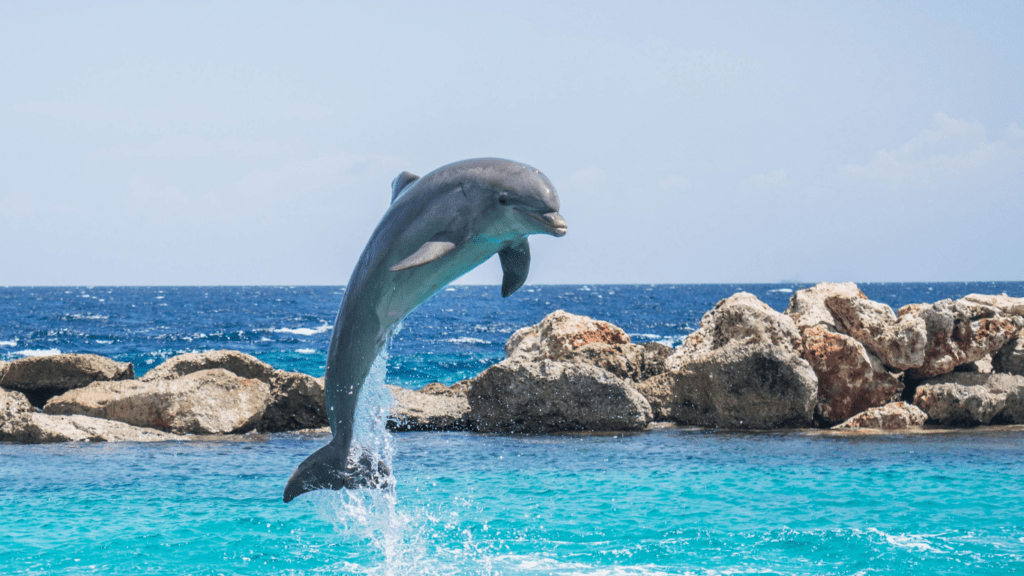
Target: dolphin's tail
<point>324,470</point>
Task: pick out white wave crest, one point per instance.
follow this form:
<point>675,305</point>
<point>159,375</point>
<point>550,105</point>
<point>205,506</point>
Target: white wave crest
<point>9,342</point>
<point>104,341</point>
<point>303,331</point>
<point>88,317</point>
<point>783,290</point>
<point>306,351</point>
<point>466,340</point>
<point>36,353</point>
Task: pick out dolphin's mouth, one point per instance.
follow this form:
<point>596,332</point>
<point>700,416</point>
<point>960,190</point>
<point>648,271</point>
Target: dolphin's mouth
<point>552,221</point>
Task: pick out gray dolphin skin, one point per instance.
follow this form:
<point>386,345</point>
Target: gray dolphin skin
<point>437,228</point>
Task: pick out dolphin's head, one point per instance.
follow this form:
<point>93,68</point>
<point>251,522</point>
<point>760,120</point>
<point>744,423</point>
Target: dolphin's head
<point>521,198</point>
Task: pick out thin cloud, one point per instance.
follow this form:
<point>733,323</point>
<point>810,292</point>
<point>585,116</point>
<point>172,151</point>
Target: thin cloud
<point>951,149</point>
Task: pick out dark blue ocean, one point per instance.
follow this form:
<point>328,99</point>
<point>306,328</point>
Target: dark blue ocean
<point>668,501</point>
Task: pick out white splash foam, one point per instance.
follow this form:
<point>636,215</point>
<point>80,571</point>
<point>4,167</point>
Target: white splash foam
<point>9,342</point>
<point>88,317</point>
<point>303,331</point>
<point>36,353</point>
<point>306,351</point>
<point>104,341</point>
<point>466,340</point>
<point>783,290</point>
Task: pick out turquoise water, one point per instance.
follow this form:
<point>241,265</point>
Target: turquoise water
<point>664,502</point>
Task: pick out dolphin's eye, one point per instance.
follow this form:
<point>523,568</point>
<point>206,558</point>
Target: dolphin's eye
<point>502,199</point>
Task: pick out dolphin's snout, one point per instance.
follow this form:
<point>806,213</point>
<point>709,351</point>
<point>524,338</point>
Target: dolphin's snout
<point>556,222</point>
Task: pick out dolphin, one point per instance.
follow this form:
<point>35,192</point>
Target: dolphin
<point>437,228</point>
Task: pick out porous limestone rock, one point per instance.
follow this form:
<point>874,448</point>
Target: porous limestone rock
<point>559,334</point>
<point>43,377</point>
<point>13,403</point>
<point>899,343</point>
<point>959,332</point>
<point>3,369</point>
<point>1006,305</point>
<point>239,363</point>
<point>296,403</point>
<point>206,402</point>
<point>746,386</point>
<point>893,416</point>
<point>517,395</point>
<point>850,378</point>
<point>969,399</point>
<point>1010,358</point>
<point>740,319</point>
<point>434,407</point>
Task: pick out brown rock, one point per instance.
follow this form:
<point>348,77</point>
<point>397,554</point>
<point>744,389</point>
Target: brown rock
<point>205,402</point>
<point>967,399</point>
<point>416,410</point>
<point>623,360</point>
<point>741,319</point>
<point>296,403</point>
<point>35,428</point>
<point>850,379</point>
<point>559,334</point>
<point>13,403</point>
<point>3,369</point>
<point>894,416</point>
<point>959,332</point>
<point>900,343</point>
<point>460,388</point>
<point>521,396</point>
<point>655,354</point>
<point>753,386</point>
<point>46,376</point>
<point>233,361</point>
<point>1010,358</point>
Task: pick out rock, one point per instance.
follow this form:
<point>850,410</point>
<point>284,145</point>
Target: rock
<point>966,399</point>
<point>35,428</point>
<point>807,307</point>
<point>436,388</point>
<point>1006,305</point>
<point>296,403</point>
<point>297,400</point>
<point>3,369</point>
<point>559,334</point>
<point>741,319</point>
<point>980,366</point>
<point>899,343</point>
<point>655,354</point>
<point>1010,358</point>
<point>517,395</point>
<point>233,361</point>
<point>417,410</point>
<point>850,379</point>
<point>205,402</point>
<point>623,360</point>
<point>894,416</point>
<point>47,376</point>
<point>959,332</point>
<point>13,403</point>
<point>753,386</point>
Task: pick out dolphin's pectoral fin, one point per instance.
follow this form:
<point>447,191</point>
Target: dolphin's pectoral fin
<point>400,183</point>
<point>323,471</point>
<point>515,264</point>
<point>438,245</point>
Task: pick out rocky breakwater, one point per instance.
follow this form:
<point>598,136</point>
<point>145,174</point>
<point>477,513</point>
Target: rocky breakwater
<point>216,392</point>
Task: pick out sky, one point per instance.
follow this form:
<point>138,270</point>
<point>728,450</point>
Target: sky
<point>237,143</point>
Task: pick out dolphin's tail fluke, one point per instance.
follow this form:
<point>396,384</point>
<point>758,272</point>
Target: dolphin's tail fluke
<point>324,470</point>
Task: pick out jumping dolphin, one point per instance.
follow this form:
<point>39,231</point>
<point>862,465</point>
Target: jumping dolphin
<point>437,228</point>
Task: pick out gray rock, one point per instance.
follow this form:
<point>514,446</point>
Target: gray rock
<point>35,428</point>
<point>433,409</point>
<point>959,332</point>
<point>623,360</point>
<point>745,386</point>
<point>46,376</point>
<point>559,334</point>
<point>1010,358</point>
<point>894,416</point>
<point>522,396</point>
<point>296,403</point>
<point>969,399</point>
<point>233,361</point>
<point>3,369</point>
<point>741,319</point>
<point>655,355</point>
<point>1006,305</point>
<point>900,343</point>
<point>205,402</point>
<point>13,403</point>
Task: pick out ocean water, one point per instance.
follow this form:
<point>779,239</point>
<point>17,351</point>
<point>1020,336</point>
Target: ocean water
<point>667,501</point>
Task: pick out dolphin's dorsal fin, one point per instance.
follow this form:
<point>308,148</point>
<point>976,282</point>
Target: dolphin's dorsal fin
<point>515,264</point>
<point>400,183</point>
<point>438,245</point>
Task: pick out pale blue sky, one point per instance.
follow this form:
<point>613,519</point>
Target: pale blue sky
<point>255,142</point>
